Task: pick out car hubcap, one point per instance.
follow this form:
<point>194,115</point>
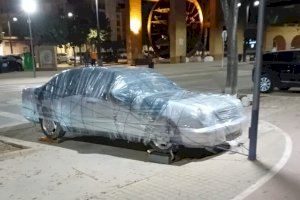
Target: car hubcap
<point>164,142</point>
<point>265,84</point>
<point>50,127</point>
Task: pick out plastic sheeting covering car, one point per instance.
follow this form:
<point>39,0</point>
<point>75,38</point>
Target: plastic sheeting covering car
<point>135,104</point>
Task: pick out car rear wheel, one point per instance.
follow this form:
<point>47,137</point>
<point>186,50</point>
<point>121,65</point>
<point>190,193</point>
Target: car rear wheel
<point>266,84</point>
<point>51,129</point>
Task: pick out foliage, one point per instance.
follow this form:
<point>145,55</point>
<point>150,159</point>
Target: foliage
<point>56,28</point>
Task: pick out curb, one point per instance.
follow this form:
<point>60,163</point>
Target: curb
<point>15,126</point>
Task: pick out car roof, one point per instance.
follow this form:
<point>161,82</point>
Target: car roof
<point>122,70</point>
<point>283,51</point>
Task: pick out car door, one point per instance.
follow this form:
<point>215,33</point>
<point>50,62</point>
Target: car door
<point>284,66</point>
<point>297,67</point>
<point>128,121</point>
<point>97,109</point>
<point>71,102</point>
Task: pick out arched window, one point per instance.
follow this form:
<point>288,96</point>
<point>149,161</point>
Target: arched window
<point>279,43</point>
<point>296,42</point>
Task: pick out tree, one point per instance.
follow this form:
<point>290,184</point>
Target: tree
<point>230,11</point>
<point>82,27</point>
<point>56,28</point>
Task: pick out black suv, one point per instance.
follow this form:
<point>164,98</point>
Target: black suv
<point>280,69</point>
<point>10,63</point>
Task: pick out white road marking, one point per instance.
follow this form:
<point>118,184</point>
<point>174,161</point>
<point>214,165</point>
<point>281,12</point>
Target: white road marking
<point>275,169</point>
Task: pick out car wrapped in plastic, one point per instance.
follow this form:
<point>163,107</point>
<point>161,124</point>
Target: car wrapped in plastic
<point>134,104</point>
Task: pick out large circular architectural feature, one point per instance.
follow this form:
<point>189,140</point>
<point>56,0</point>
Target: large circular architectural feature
<point>158,27</point>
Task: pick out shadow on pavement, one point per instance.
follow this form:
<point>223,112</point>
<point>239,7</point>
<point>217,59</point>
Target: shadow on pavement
<point>102,145</point>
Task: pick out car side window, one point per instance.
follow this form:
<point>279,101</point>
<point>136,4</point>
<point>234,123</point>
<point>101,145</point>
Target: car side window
<point>83,80</point>
<point>297,56</point>
<point>50,91</point>
<point>268,57</point>
<point>71,82</point>
<point>49,87</point>
<point>91,82</point>
<point>98,84</point>
<point>285,57</point>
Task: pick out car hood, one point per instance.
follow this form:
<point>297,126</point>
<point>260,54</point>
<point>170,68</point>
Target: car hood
<point>207,109</point>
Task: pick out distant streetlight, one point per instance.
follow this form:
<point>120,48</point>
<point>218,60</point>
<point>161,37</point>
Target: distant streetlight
<point>256,3</point>
<point>70,14</point>
<point>239,4</point>
<point>15,19</point>
<point>30,6</point>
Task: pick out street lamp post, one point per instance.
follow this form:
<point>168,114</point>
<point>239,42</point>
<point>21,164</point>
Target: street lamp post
<point>98,33</point>
<point>9,33</point>
<point>256,90</point>
<point>29,6</point>
<point>31,45</point>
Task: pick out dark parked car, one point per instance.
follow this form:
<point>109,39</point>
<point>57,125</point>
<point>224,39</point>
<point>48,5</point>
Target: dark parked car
<point>10,63</point>
<point>280,69</point>
<point>134,104</point>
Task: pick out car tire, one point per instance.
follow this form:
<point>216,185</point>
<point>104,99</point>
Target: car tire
<point>20,67</point>
<point>283,88</point>
<point>51,129</point>
<point>166,147</point>
<point>266,84</point>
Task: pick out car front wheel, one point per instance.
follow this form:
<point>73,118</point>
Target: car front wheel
<point>266,84</point>
<point>165,146</point>
<point>51,129</point>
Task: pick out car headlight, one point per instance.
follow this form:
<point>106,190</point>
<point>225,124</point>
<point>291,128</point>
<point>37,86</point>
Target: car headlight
<point>189,120</point>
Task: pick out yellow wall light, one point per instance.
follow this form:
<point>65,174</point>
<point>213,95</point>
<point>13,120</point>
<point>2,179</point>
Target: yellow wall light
<point>135,25</point>
<point>135,9</point>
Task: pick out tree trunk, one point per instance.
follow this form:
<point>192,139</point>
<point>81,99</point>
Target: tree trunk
<point>99,61</point>
<point>80,54</point>
<point>204,43</point>
<point>74,53</point>
<point>230,10</point>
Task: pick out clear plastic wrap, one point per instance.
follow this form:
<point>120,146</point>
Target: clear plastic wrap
<point>135,104</point>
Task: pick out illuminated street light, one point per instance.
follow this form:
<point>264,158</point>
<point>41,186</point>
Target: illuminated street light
<point>239,4</point>
<point>15,19</point>
<point>256,3</point>
<point>70,14</point>
<point>30,6</point>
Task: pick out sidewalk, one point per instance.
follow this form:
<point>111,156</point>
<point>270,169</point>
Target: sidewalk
<point>79,170</point>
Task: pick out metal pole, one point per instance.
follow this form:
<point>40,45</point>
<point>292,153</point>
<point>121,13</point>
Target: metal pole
<point>98,34</point>
<point>256,91</point>
<point>31,46</point>
<point>9,33</point>
<point>223,52</point>
<point>246,27</point>
<point>97,18</point>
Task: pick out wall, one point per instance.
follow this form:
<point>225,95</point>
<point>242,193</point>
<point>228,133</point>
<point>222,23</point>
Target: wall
<point>19,47</point>
<point>288,33</point>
